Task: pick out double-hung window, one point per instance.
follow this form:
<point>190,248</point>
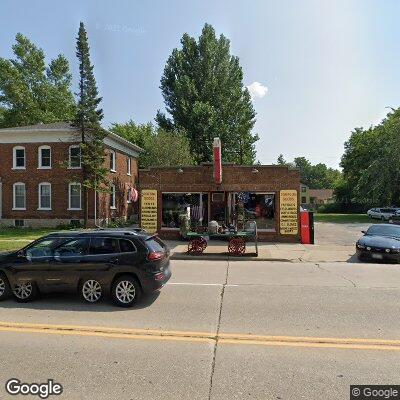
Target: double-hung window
<point>112,197</point>
<point>74,194</point>
<point>19,196</point>
<point>128,165</point>
<point>44,196</point>
<point>74,157</point>
<point>44,157</point>
<point>19,157</point>
<point>112,161</point>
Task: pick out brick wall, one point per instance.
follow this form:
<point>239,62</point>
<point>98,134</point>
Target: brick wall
<point>235,178</point>
<point>59,177</point>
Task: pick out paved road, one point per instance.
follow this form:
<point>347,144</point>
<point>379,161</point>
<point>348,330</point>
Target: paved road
<point>218,330</point>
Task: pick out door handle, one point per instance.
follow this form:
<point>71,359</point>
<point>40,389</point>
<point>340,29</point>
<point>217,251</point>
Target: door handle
<point>114,260</point>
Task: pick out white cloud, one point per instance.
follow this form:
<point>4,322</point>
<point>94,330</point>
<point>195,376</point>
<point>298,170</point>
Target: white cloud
<point>256,89</point>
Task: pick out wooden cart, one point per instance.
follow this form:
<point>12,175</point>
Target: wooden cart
<point>236,241</point>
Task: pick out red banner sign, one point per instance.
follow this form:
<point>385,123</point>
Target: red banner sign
<point>217,161</point>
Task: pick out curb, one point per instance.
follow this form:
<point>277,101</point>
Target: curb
<point>211,257</point>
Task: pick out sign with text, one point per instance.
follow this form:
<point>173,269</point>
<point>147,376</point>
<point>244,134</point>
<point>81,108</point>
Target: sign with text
<point>288,212</point>
<point>148,210</point>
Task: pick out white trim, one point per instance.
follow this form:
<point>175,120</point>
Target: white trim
<point>74,146</point>
<point>113,159</point>
<point>40,208</point>
<point>15,208</point>
<point>113,197</point>
<point>121,145</point>
<point>40,148</point>
<point>15,148</point>
<point>69,196</point>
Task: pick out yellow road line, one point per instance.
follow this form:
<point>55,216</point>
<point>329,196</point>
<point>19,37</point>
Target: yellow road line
<point>193,336</point>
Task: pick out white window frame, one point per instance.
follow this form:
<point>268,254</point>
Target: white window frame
<point>39,197</point>
<point>129,165</point>
<point>113,205</point>
<point>74,146</point>
<point>128,197</point>
<point>69,195</point>
<point>40,165</point>
<point>113,157</point>
<point>15,148</point>
<point>14,197</point>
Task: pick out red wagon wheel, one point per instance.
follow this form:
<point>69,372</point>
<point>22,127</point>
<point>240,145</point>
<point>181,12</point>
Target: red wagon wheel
<point>203,243</point>
<point>237,246</point>
<point>195,246</point>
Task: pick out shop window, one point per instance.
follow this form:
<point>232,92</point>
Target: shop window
<point>258,207</point>
<point>194,205</point>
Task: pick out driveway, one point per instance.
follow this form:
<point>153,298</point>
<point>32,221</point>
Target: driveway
<point>338,234</point>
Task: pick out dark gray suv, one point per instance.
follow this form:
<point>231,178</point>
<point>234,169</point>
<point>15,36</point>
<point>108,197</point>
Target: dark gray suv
<point>122,264</point>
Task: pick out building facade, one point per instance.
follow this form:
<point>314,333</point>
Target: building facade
<point>41,177</point>
<point>267,194</point>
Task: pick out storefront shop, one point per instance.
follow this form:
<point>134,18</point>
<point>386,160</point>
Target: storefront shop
<point>266,194</point>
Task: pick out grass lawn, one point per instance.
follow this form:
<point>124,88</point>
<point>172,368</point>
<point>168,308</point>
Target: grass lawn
<point>343,218</point>
<point>16,238</point>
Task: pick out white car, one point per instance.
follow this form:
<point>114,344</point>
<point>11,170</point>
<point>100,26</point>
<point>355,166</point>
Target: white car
<point>383,214</point>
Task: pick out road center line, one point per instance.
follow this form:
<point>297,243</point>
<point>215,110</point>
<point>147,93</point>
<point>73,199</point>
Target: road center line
<point>193,336</point>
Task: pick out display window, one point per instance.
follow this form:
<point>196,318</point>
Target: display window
<point>258,207</point>
<point>193,205</point>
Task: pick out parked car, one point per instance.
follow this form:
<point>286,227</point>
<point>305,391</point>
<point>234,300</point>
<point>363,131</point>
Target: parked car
<point>380,242</point>
<point>122,264</point>
<point>395,218</point>
<point>383,214</point>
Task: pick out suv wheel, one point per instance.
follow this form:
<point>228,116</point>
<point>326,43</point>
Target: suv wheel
<point>24,292</point>
<point>91,290</point>
<point>126,291</point>
<point>4,287</point>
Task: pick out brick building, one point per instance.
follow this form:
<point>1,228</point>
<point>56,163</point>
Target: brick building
<point>268,194</point>
<point>41,175</point>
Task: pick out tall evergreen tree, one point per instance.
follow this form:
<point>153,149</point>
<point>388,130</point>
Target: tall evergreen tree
<point>87,121</point>
<point>30,91</point>
<point>203,91</point>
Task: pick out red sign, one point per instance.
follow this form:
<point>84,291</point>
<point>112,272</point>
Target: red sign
<point>217,161</point>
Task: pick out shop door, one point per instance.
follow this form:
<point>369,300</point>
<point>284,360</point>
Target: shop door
<point>218,207</point>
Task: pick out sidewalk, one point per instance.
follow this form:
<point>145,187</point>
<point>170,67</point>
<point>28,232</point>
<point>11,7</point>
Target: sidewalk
<point>285,252</point>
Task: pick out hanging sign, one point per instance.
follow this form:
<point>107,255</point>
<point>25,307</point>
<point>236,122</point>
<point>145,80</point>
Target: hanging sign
<point>288,212</point>
<point>148,210</point>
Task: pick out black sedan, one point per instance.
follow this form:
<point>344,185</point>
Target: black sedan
<point>122,264</point>
<point>381,242</point>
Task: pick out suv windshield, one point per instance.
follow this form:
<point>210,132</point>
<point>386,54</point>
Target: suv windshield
<point>384,230</point>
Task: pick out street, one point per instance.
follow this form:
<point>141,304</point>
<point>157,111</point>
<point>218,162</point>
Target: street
<point>218,330</point>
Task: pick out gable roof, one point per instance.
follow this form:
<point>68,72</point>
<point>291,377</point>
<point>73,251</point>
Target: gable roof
<point>321,194</point>
<point>112,140</point>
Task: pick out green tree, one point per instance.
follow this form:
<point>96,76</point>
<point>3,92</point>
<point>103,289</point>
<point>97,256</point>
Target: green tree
<point>371,163</point>
<point>203,91</point>
<point>137,134</point>
<point>169,149</point>
<point>30,92</point>
<point>159,147</point>
<point>87,121</point>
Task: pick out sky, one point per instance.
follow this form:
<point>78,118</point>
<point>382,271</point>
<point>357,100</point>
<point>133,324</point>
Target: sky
<point>316,68</point>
